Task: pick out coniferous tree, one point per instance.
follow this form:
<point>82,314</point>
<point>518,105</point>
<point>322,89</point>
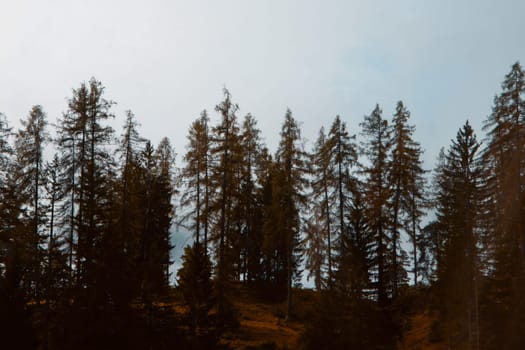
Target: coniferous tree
<point>505,163</point>
<point>292,182</point>
<point>5,151</point>
<point>194,279</point>
<point>377,195</point>
<point>406,179</point>
<point>164,210</point>
<point>315,251</point>
<point>458,219</point>
<point>195,178</point>
<point>273,244</point>
<point>322,219</point>
<point>83,140</point>
<point>225,152</point>
<point>29,145</point>
<point>249,209</point>
<point>124,237</point>
<point>355,248</point>
<point>342,152</point>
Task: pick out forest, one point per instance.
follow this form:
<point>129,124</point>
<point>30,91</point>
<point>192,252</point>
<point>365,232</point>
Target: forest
<point>87,219</point>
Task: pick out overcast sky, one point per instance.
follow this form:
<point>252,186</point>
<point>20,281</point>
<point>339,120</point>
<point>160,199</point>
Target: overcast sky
<point>168,60</point>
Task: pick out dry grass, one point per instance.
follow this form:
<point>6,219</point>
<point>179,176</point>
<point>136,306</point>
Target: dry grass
<point>262,323</point>
<point>417,337</point>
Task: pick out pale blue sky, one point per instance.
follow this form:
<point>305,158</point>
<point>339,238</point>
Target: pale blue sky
<point>168,60</point>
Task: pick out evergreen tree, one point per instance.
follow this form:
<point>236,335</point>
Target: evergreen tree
<point>123,240</point>
<point>458,217</point>
<point>321,222</point>
<point>164,210</point>
<point>406,179</point>
<point>195,178</point>
<point>29,145</point>
<point>194,279</point>
<point>342,152</point>
<point>249,208</point>
<point>83,140</point>
<point>5,151</point>
<point>225,152</point>
<point>377,196</point>
<point>355,249</point>
<point>504,160</point>
<point>292,182</point>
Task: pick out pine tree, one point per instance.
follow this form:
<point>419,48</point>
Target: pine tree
<point>123,238</point>
<point>225,152</point>
<point>406,179</point>
<point>164,210</point>
<point>6,151</point>
<point>291,162</point>
<point>458,219</point>
<point>273,243</point>
<point>249,208</point>
<point>83,140</point>
<point>503,157</point>
<point>195,178</point>
<point>355,248</point>
<point>377,195</point>
<point>321,222</point>
<point>57,269</point>
<point>315,251</point>
<point>342,152</point>
<point>194,279</point>
<point>29,144</point>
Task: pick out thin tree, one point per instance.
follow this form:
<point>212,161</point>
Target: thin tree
<point>291,162</point>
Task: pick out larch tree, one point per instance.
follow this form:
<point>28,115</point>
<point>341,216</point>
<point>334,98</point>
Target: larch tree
<point>505,162</point>
<point>249,208</point>
<point>406,179</point>
<point>290,158</point>
<point>195,179</point>
<point>322,218</point>
<point>342,153</point>
<point>377,194</point>
<point>29,146</point>
<point>84,139</point>
<point>225,151</point>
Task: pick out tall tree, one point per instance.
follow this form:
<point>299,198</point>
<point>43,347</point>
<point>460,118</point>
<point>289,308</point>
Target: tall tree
<point>225,151</point>
<point>406,179</point>
<point>195,178</point>
<point>29,145</point>
<point>322,220</point>
<point>291,162</point>
<point>6,152</point>
<point>165,156</point>
<point>249,209</point>
<point>83,139</point>
<point>505,162</point>
<point>376,147</point>
<point>458,213</point>
<point>342,152</point>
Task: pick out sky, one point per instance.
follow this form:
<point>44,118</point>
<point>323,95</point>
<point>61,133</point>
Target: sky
<point>168,60</point>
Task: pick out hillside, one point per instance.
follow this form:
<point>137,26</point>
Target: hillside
<point>262,323</point>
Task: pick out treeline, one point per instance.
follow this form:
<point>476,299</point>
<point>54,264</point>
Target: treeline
<point>85,237</point>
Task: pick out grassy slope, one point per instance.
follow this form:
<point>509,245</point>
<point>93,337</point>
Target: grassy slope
<point>262,323</point>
